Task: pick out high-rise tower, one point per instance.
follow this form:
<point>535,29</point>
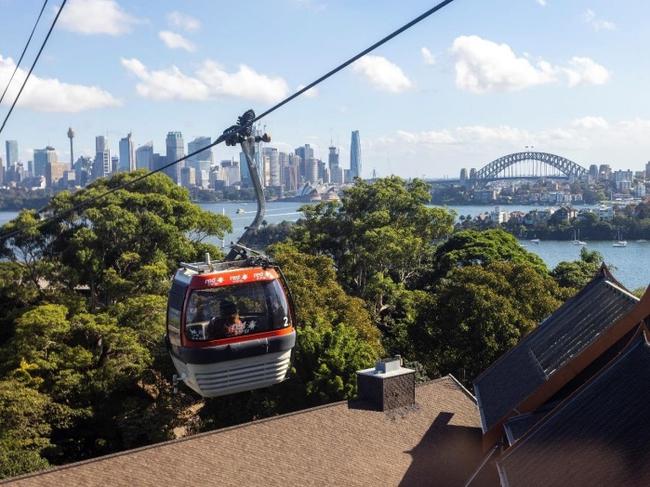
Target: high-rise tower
<point>127,157</point>
<point>12,152</point>
<point>355,155</point>
<point>175,150</point>
<point>333,163</point>
<point>71,136</point>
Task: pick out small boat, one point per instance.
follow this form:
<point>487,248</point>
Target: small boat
<point>576,239</point>
<point>619,242</point>
<point>240,211</point>
<point>642,240</point>
<point>535,241</point>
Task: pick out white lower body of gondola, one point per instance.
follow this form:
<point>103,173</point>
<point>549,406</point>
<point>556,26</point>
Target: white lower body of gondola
<point>232,376</point>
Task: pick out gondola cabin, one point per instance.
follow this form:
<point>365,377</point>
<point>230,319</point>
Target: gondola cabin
<point>230,326</point>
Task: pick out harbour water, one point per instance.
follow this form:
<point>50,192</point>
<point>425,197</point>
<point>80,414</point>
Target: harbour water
<point>631,264</point>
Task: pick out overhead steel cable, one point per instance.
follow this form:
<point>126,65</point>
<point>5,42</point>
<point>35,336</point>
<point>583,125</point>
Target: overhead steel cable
<point>230,132</point>
<point>22,55</point>
<point>38,55</point>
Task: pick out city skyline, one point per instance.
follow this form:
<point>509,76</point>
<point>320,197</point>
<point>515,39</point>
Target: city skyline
<point>457,92</point>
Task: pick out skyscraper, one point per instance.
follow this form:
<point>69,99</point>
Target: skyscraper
<point>144,156</point>
<point>43,157</point>
<point>11,147</point>
<point>333,163</point>
<point>175,150</point>
<point>127,158</point>
<point>244,170</point>
<point>647,170</point>
<point>355,155</point>
<point>273,176</point>
<point>102,163</point>
<point>203,160</point>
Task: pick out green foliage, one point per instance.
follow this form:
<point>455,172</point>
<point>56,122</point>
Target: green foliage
<point>24,428</point>
<point>326,361</point>
<point>127,243</point>
<point>381,228</point>
<point>471,247</point>
<point>477,313</point>
<point>320,300</point>
<point>577,274</point>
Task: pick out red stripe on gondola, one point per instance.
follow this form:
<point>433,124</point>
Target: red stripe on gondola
<point>233,277</point>
<point>237,339</point>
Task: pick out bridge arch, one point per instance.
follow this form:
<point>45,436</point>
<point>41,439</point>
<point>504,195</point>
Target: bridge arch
<point>562,164</point>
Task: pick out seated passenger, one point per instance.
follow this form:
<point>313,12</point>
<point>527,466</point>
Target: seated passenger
<point>228,324</point>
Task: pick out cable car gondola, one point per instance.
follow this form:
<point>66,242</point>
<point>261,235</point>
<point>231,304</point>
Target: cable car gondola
<point>230,325</point>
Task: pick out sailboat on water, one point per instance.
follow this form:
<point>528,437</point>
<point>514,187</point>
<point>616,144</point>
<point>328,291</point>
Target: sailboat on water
<point>619,241</point>
<point>576,238</point>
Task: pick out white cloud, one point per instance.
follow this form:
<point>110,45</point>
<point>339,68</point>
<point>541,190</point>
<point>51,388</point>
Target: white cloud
<point>176,41</point>
<point>483,66</point>
<point>183,21</point>
<point>590,123</point>
<point>542,3</point>
<point>208,82</point>
<point>598,24</point>
<point>96,17</point>
<point>585,71</point>
<point>382,74</point>
<point>310,93</point>
<point>50,94</point>
<point>427,57</point>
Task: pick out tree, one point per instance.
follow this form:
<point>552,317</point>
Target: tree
<point>24,428</point>
<point>123,244</point>
<point>476,313</point>
<point>575,275</point>
<point>471,247</point>
<point>383,228</point>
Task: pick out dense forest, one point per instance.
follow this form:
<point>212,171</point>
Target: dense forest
<point>83,366</point>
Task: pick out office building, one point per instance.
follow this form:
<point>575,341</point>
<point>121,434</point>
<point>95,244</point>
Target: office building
<point>204,159</point>
<point>144,157</point>
<point>102,163</point>
<point>175,150</point>
<point>334,167</point>
<point>54,172</point>
<point>115,163</point>
<point>647,170</point>
<point>244,171</point>
<point>230,172</point>
<point>272,176</point>
<point>43,157</point>
<point>355,156</point>
<point>188,177</point>
<point>127,157</point>
<point>11,147</point>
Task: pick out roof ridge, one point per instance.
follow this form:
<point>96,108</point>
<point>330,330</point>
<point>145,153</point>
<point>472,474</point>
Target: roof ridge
<point>640,336</point>
<point>595,280</point>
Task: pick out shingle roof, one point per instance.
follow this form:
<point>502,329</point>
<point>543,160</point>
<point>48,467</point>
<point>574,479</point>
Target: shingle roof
<point>561,336</point>
<point>598,436</point>
<point>436,442</point>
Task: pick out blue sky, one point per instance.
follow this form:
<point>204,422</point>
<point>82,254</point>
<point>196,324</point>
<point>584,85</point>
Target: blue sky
<point>477,81</point>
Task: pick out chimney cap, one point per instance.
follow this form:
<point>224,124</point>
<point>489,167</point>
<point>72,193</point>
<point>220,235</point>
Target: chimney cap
<point>387,367</point>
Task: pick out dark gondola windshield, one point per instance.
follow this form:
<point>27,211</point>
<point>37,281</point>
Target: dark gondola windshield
<point>232,311</point>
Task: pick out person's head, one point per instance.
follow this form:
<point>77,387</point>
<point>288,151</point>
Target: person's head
<point>228,308</point>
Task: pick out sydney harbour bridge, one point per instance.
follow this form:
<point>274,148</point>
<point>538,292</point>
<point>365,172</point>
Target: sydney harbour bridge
<point>522,165</point>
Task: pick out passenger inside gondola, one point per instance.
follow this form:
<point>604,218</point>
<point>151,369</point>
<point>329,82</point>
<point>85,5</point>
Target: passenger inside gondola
<point>228,324</point>
<point>231,311</point>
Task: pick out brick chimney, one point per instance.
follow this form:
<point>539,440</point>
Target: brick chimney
<point>388,385</point>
